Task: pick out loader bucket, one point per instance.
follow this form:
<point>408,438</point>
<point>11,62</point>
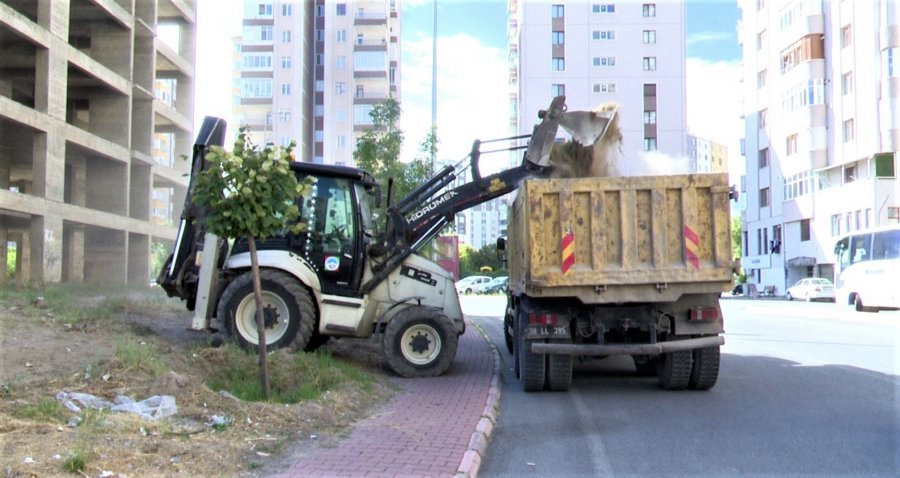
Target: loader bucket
<point>586,128</point>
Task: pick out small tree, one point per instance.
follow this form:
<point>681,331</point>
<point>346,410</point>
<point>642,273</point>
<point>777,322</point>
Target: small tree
<point>249,192</point>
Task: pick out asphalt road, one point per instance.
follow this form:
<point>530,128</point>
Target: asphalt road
<point>804,389</point>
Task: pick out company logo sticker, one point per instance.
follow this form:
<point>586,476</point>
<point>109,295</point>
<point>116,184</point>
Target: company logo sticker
<point>332,263</point>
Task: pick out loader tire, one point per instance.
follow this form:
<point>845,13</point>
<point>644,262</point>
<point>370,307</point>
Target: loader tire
<point>420,342</point>
<point>705,371</point>
<point>675,370</point>
<point>532,366</point>
<point>288,311</point>
<point>559,371</point>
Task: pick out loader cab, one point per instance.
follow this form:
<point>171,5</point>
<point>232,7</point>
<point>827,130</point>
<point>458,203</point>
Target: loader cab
<point>338,214</point>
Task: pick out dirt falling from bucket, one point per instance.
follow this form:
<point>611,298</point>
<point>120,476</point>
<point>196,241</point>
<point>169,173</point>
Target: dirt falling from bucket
<point>570,159</point>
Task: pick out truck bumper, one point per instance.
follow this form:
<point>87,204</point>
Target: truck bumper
<point>627,349</point>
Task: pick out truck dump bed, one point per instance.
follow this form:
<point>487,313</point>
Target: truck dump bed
<point>621,239</point>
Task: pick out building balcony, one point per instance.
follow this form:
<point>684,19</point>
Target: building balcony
<point>370,18</point>
<point>370,45</point>
<point>370,97</point>
<point>357,74</point>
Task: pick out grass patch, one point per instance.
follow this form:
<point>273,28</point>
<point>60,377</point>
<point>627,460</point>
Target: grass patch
<point>75,462</point>
<point>48,410</point>
<point>141,357</point>
<point>292,377</point>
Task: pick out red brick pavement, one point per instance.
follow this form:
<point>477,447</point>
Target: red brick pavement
<point>426,430</point>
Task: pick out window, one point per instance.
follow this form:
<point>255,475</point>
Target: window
<point>604,8</point>
<point>320,35</point>
<point>340,62</point>
<point>763,158</point>
<point>846,36</point>
<point>256,88</point>
<point>604,35</point>
<point>286,62</point>
<point>649,10</point>
<point>340,116</point>
<point>649,63</point>
<point>341,141</point>
<point>764,197</point>
<point>604,87</point>
<point>341,9</point>
<point>265,8</point>
<point>286,36</point>
<point>884,165</point>
<point>557,11</point>
<point>285,89</point>
<point>557,90</point>
<point>558,64</point>
<point>763,118</point>
<point>835,225</point>
<point>320,59</point>
<point>799,184</point>
<point>847,83</point>
<point>557,38</point>
<point>849,174</point>
<point>649,36</point>
<point>849,130</point>
<point>650,117</point>
<point>361,114</point>
<point>370,61</point>
<point>319,111</point>
<point>761,79</point>
<point>893,215</point>
<point>320,10</point>
<point>265,33</point>
<point>360,91</point>
<point>359,39</point>
<point>284,116</point>
<point>342,36</point>
<point>340,87</point>
<point>761,40</point>
<point>320,85</point>
<point>257,61</point>
<point>319,136</point>
<point>804,230</point>
<point>287,9</point>
<point>790,145</point>
<point>604,61</point>
<point>649,144</point>
<point>889,66</point>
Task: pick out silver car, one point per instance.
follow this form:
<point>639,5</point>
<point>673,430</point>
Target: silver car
<point>811,288</point>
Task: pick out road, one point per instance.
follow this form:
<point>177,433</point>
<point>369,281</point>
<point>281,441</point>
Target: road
<point>804,389</point>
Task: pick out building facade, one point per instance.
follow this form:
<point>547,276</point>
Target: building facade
<point>822,131</point>
<point>706,156</point>
<point>96,107</point>
<point>311,71</point>
<point>630,53</point>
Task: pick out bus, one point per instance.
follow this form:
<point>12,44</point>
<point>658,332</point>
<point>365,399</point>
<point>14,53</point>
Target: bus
<point>867,270</point>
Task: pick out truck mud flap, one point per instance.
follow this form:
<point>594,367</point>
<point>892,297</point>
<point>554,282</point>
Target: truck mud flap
<point>628,349</point>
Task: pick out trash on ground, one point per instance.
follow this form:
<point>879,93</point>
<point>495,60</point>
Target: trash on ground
<point>153,408</point>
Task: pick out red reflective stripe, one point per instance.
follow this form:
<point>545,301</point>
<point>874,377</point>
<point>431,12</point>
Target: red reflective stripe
<point>692,258</point>
<point>690,235</point>
<point>542,319</point>
<point>568,251</point>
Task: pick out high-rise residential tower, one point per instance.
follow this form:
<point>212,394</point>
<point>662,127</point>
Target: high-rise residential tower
<point>96,108</point>
<point>822,108</point>
<point>311,71</point>
<point>628,52</point>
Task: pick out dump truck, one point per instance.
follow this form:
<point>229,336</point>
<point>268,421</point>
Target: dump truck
<point>603,266</point>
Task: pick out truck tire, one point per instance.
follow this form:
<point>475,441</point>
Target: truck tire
<point>531,365</point>
<point>508,329</point>
<point>675,370</point>
<point>559,371</point>
<point>287,308</point>
<point>705,371</point>
<point>420,342</point>
<point>645,365</point>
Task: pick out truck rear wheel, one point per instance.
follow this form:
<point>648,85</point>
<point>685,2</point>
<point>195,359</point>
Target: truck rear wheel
<point>288,311</point>
<point>559,371</point>
<point>531,365</point>
<point>420,342</point>
<point>705,371</point>
<point>508,329</point>
<point>675,370</point>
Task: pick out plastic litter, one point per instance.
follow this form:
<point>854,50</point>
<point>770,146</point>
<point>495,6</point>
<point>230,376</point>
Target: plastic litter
<point>153,408</point>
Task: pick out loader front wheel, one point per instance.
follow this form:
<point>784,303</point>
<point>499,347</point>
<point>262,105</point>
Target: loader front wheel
<point>288,312</point>
<point>420,342</point>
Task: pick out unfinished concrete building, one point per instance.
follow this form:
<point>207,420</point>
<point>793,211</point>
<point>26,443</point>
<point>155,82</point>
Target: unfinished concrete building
<point>96,108</point>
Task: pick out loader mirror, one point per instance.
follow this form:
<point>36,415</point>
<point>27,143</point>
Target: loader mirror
<point>501,247</point>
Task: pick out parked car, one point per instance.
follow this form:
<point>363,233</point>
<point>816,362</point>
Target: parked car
<point>468,285</point>
<point>811,288</point>
<point>496,286</point>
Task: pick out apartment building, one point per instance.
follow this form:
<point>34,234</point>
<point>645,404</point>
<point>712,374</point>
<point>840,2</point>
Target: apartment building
<point>313,71</point>
<point>628,52</point>
<point>822,131</point>
<point>706,156</point>
<point>96,107</point>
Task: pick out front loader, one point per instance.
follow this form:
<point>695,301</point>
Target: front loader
<point>340,277</point>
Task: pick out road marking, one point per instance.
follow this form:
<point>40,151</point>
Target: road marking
<point>599,459</point>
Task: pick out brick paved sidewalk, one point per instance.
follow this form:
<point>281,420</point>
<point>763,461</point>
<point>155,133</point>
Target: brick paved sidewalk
<point>425,430</point>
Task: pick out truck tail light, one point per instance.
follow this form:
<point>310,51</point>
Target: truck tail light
<point>705,315</point>
<point>542,319</point>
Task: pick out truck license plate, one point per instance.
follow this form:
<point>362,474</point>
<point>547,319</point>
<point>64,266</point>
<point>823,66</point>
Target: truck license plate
<point>547,332</point>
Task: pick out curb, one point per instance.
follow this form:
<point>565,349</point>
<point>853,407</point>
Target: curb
<point>471,461</point>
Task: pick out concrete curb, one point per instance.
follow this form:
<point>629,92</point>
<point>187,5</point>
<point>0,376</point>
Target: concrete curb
<point>471,462</point>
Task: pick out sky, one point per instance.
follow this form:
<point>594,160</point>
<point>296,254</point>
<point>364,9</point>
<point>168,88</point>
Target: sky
<point>472,72</point>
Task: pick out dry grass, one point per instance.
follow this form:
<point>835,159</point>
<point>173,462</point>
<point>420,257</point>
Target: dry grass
<point>137,345</point>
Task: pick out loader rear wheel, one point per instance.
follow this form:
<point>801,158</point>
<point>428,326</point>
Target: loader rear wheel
<point>288,311</point>
<point>420,342</point>
<point>705,371</point>
<point>559,371</point>
<point>675,370</point>
<point>532,366</point>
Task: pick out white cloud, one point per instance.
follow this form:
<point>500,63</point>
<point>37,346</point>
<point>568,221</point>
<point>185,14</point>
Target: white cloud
<point>472,96</point>
<point>714,103</point>
<point>708,37</point>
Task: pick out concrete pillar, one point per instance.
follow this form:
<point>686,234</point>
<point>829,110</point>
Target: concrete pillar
<point>138,259</point>
<point>23,258</point>
<point>111,46</point>
<point>46,248</point>
<point>73,253</point>
<point>77,181</point>
<point>49,165</point>
<point>3,256</point>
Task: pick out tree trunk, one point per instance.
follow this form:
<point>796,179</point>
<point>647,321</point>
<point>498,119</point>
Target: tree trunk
<point>260,318</point>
